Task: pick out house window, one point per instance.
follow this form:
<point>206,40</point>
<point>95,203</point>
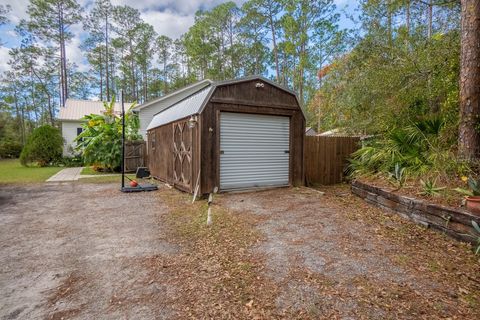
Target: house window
<point>79,130</point>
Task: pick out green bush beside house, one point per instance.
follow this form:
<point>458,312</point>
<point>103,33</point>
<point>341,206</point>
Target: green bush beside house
<point>43,146</point>
<point>101,139</point>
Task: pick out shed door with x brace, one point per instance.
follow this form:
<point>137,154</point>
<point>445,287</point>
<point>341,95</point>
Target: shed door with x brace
<point>254,150</point>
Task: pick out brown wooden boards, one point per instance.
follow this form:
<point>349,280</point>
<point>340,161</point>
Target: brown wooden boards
<point>326,158</point>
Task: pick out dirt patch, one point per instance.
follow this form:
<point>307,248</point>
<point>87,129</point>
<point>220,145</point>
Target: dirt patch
<point>77,251</point>
<point>334,256</point>
<point>219,275</point>
<point>69,286</point>
<point>67,248</point>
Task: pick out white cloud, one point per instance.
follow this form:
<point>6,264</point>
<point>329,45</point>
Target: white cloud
<point>171,17</point>
<point>182,7</point>
<point>19,8</point>
<point>4,57</point>
<point>342,2</point>
<point>75,54</point>
<point>168,23</point>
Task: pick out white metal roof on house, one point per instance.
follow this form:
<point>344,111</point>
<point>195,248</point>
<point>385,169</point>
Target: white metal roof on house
<point>187,107</point>
<point>75,110</point>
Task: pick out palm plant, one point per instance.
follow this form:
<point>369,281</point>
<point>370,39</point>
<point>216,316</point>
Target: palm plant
<point>101,139</point>
<point>398,175</point>
<point>415,148</point>
<point>477,229</point>
<point>430,188</point>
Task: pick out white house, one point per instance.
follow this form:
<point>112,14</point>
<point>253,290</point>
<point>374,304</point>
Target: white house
<point>309,131</point>
<point>71,116</point>
<point>148,110</point>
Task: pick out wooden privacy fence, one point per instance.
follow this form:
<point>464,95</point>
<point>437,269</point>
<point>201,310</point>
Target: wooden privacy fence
<point>135,155</point>
<point>326,158</point>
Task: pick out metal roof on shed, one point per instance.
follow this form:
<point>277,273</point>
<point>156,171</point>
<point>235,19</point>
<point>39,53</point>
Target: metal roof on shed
<point>187,107</point>
<point>75,110</point>
<point>175,96</point>
<point>195,103</point>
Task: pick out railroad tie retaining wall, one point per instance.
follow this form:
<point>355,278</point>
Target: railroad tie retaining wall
<point>456,223</point>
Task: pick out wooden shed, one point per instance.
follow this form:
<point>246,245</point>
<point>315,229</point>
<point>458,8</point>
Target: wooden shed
<point>239,134</point>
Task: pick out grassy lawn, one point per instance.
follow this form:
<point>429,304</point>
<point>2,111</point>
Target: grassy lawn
<point>11,171</point>
<point>90,171</point>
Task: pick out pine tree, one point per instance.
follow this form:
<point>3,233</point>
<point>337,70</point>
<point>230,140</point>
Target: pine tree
<point>163,48</point>
<point>469,136</point>
<point>98,24</point>
<point>4,10</point>
<point>126,20</point>
<point>50,21</point>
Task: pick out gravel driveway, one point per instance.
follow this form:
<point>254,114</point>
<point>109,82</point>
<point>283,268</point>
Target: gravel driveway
<point>335,256</point>
<point>67,249</point>
<point>87,251</point>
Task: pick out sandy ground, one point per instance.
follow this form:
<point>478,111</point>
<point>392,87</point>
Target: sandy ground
<point>335,256</point>
<point>66,250</point>
<point>87,251</point>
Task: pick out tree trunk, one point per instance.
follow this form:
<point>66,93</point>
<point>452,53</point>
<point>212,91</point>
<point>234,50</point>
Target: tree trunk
<point>107,75</point>
<point>430,19</point>
<point>389,21</point>
<point>101,75</point>
<point>408,16</point>
<point>19,115</point>
<point>62,56</point>
<point>165,80</point>
<point>275,49</point>
<point>274,40</point>
<point>64,60</point>
<point>132,68</point>
<point>232,63</point>
<point>469,137</point>
<point>145,84</point>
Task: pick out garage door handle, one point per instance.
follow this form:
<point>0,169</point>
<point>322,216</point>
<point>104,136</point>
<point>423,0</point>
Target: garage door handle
<point>286,151</point>
<point>222,152</point>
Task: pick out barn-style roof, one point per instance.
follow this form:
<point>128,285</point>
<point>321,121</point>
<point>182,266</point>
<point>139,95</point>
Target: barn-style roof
<point>195,103</point>
<point>75,109</point>
<point>182,109</point>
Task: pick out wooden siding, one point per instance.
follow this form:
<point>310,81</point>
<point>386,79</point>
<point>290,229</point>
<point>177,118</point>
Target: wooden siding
<point>245,97</point>
<point>135,155</point>
<point>205,140</point>
<point>174,154</point>
<point>326,158</point>
<point>245,93</point>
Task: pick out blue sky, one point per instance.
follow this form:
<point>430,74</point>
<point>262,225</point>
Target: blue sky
<point>169,17</point>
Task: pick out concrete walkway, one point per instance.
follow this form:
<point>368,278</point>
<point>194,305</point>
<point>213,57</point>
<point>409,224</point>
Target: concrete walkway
<point>67,174</point>
<point>73,174</point>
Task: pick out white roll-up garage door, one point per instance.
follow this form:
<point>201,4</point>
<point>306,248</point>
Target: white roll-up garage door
<point>254,150</point>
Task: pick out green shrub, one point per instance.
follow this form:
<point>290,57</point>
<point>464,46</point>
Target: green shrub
<point>101,139</point>
<point>398,175</point>
<point>417,148</point>
<point>10,149</point>
<point>430,188</point>
<point>44,146</point>
<point>73,161</point>
<point>477,229</point>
